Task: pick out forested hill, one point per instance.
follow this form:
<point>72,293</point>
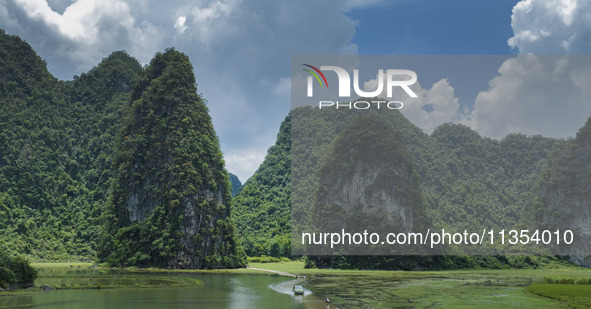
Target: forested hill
<point>466,180</point>
<point>56,141</point>
<point>57,150</point>
<point>473,182</point>
<point>170,204</point>
<point>261,210</point>
<point>561,198</point>
<point>235,183</point>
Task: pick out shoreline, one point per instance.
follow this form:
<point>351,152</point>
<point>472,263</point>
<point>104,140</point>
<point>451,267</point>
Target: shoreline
<point>278,272</point>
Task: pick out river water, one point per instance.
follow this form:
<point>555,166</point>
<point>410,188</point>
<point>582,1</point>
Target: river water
<point>218,291</point>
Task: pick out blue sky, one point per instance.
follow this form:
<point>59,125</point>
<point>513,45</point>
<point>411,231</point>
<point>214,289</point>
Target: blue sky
<point>434,27</point>
<point>241,51</point>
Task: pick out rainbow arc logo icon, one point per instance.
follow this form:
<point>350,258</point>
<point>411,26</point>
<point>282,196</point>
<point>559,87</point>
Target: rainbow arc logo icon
<point>316,75</point>
<point>314,72</point>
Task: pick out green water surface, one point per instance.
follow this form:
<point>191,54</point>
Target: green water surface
<point>218,291</point>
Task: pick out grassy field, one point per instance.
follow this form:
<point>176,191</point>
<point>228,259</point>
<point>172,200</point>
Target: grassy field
<point>455,289</point>
<point>576,296</point>
<point>515,288</point>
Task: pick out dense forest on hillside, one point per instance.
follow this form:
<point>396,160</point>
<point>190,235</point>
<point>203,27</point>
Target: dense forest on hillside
<point>461,174</point>
<point>261,210</point>
<point>366,179</point>
<point>56,143</point>
<point>170,205</point>
<point>57,151</point>
<point>235,183</point>
<point>561,197</point>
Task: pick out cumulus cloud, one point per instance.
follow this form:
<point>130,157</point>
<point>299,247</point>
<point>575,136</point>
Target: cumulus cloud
<point>76,39</point>
<point>535,94</point>
<point>210,20</point>
<point>433,106</point>
<point>179,25</point>
<point>547,92</point>
<point>551,26</point>
<point>531,94</point>
<point>245,162</point>
<point>430,108</point>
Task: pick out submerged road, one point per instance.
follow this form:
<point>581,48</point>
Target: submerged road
<point>281,273</point>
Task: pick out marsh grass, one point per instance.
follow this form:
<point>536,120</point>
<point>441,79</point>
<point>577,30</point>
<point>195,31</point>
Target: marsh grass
<point>110,282</point>
<point>567,280</point>
<point>56,276</point>
<point>576,296</point>
<point>446,289</point>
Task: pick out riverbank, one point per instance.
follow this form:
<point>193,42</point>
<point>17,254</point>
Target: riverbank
<point>58,276</point>
<point>361,288</point>
<point>278,272</point>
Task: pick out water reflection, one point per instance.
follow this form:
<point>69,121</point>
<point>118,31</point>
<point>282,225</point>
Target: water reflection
<point>219,291</point>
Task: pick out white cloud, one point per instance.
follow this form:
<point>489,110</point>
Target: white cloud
<point>80,21</point>
<point>551,26</point>
<point>210,20</point>
<point>433,106</point>
<point>532,94</point>
<point>545,95</point>
<point>242,163</point>
<point>430,108</point>
<point>85,32</point>
<point>205,16</point>
<point>179,25</point>
<point>283,87</point>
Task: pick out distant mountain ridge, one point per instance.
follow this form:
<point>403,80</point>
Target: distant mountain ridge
<point>461,174</point>
<point>235,183</point>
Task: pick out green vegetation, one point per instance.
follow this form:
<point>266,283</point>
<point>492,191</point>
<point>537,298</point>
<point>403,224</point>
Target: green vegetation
<point>368,146</point>
<point>576,296</point>
<point>267,259</point>
<point>56,141</point>
<point>360,288</point>
<point>65,147</point>
<point>567,280</point>
<point>236,184</point>
<point>15,272</point>
<point>561,197</point>
<point>77,277</point>
<point>471,182</point>
<point>434,262</point>
<point>428,289</point>
<point>171,193</point>
<point>261,210</point>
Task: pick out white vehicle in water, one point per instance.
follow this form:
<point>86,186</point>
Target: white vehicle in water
<point>298,289</point>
